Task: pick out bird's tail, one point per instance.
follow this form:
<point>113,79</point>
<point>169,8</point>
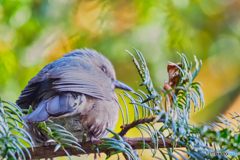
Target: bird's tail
<point>38,115</point>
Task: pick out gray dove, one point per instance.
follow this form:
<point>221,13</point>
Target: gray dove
<point>77,92</point>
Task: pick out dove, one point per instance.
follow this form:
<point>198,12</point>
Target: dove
<point>75,91</point>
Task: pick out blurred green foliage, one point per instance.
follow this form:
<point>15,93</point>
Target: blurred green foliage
<point>34,33</point>
<point>13,138</point>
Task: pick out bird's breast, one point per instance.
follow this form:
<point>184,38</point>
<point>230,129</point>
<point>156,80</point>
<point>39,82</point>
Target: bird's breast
<point>93,118</point>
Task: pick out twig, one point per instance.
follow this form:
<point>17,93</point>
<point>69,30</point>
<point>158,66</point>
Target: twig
<point>127,127</point>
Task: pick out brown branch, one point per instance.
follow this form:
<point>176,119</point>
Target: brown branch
<point>127,127</point>
<point>48,151</point>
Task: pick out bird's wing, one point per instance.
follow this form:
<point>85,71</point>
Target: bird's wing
<point>47,83</point>
<point>80,81</point>
<point>59,105</point>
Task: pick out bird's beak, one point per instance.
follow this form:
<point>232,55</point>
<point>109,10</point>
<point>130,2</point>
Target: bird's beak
<point>121,85</point>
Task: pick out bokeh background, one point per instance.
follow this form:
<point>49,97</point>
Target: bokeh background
<point>34,33</point>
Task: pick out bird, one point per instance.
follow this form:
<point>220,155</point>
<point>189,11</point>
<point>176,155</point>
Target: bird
<point>76,91</point>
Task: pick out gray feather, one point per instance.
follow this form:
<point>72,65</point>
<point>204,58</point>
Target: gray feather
<point>38,115</point>
<point>55,106</point>
<point>68,74</point>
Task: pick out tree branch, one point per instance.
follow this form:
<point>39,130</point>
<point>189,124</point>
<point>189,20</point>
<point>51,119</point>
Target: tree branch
<point>48,151</point>
<point>127,127</point>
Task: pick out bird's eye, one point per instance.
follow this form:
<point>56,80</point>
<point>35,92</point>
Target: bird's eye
<point>104,69</point>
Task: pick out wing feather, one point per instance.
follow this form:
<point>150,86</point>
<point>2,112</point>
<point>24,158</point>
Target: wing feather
<point>84,78</point>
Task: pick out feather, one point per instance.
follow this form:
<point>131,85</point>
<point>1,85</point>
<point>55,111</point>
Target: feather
<point>79,75</point>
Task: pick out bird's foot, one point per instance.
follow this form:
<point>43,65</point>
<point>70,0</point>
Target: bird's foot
<point>95,156</point>
<point>92,139</point>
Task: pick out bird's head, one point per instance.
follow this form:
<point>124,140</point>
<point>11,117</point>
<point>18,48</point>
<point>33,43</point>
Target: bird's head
<point>102,64</point>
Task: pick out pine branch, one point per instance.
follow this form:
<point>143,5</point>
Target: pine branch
<point>48,151</point>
